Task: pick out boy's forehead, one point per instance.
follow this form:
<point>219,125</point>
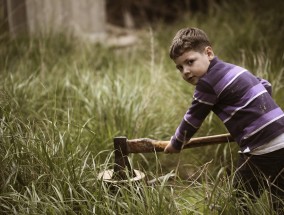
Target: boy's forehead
<point>187,55</point>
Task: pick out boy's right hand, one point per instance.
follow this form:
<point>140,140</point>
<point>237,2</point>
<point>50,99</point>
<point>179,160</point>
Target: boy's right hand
<point>170,149</point>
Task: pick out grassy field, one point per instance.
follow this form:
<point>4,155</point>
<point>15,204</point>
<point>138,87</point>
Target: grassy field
<point>62,101</point>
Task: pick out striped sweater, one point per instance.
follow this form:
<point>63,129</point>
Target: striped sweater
<point>242,101</point>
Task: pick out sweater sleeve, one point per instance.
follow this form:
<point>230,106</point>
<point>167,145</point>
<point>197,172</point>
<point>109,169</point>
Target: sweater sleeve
<point>201,106</point>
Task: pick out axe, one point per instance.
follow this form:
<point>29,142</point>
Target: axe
<point>123,147</point>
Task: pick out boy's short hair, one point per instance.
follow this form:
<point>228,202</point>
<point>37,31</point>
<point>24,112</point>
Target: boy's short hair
<point>188,39</point>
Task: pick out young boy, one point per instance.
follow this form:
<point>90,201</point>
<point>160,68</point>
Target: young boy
<point>242,101</point>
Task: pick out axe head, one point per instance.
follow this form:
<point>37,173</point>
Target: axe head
<point>122,167</point>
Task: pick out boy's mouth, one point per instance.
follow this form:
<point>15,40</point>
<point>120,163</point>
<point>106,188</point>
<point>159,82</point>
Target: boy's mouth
<point>190,79</point>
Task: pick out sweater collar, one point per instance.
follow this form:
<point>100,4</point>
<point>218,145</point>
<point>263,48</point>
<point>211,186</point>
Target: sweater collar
<point>212,63</point>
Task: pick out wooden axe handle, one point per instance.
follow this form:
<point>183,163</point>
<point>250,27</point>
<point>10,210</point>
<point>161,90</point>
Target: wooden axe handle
<point>145,145</point>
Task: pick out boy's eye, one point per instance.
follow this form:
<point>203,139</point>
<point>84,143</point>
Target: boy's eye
<point>190,62</point>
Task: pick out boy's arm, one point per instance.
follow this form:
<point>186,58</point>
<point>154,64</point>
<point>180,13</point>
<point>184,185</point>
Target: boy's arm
<point>191,122</point>
<point>204,99</point>
<point>266,84</point>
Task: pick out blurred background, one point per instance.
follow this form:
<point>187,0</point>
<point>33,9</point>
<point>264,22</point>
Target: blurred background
<point>92,16</point>
<point>122,46</point>
<point>75,74</point>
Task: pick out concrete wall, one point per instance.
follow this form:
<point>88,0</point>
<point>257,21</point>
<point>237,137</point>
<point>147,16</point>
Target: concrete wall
<point>86,18</point>
<point>16,15</point>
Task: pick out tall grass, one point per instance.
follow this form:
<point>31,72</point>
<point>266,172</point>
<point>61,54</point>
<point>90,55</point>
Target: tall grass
<point>63,100</point>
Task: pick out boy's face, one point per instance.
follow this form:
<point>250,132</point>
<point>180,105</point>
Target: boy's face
<point>193,65</point>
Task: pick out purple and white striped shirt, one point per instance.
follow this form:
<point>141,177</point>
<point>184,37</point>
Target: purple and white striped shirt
<point>241,100</point>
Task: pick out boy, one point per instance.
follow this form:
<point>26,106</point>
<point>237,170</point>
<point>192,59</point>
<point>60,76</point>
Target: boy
<point>242,101</point>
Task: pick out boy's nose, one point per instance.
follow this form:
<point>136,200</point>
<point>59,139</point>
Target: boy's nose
<point>186,71</point>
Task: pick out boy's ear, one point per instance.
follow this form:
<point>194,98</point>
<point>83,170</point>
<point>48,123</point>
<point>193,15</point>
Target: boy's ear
<point>209,52</point>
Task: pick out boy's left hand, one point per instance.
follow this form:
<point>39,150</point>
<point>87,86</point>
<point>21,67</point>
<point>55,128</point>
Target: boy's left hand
<point>170,149</point>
